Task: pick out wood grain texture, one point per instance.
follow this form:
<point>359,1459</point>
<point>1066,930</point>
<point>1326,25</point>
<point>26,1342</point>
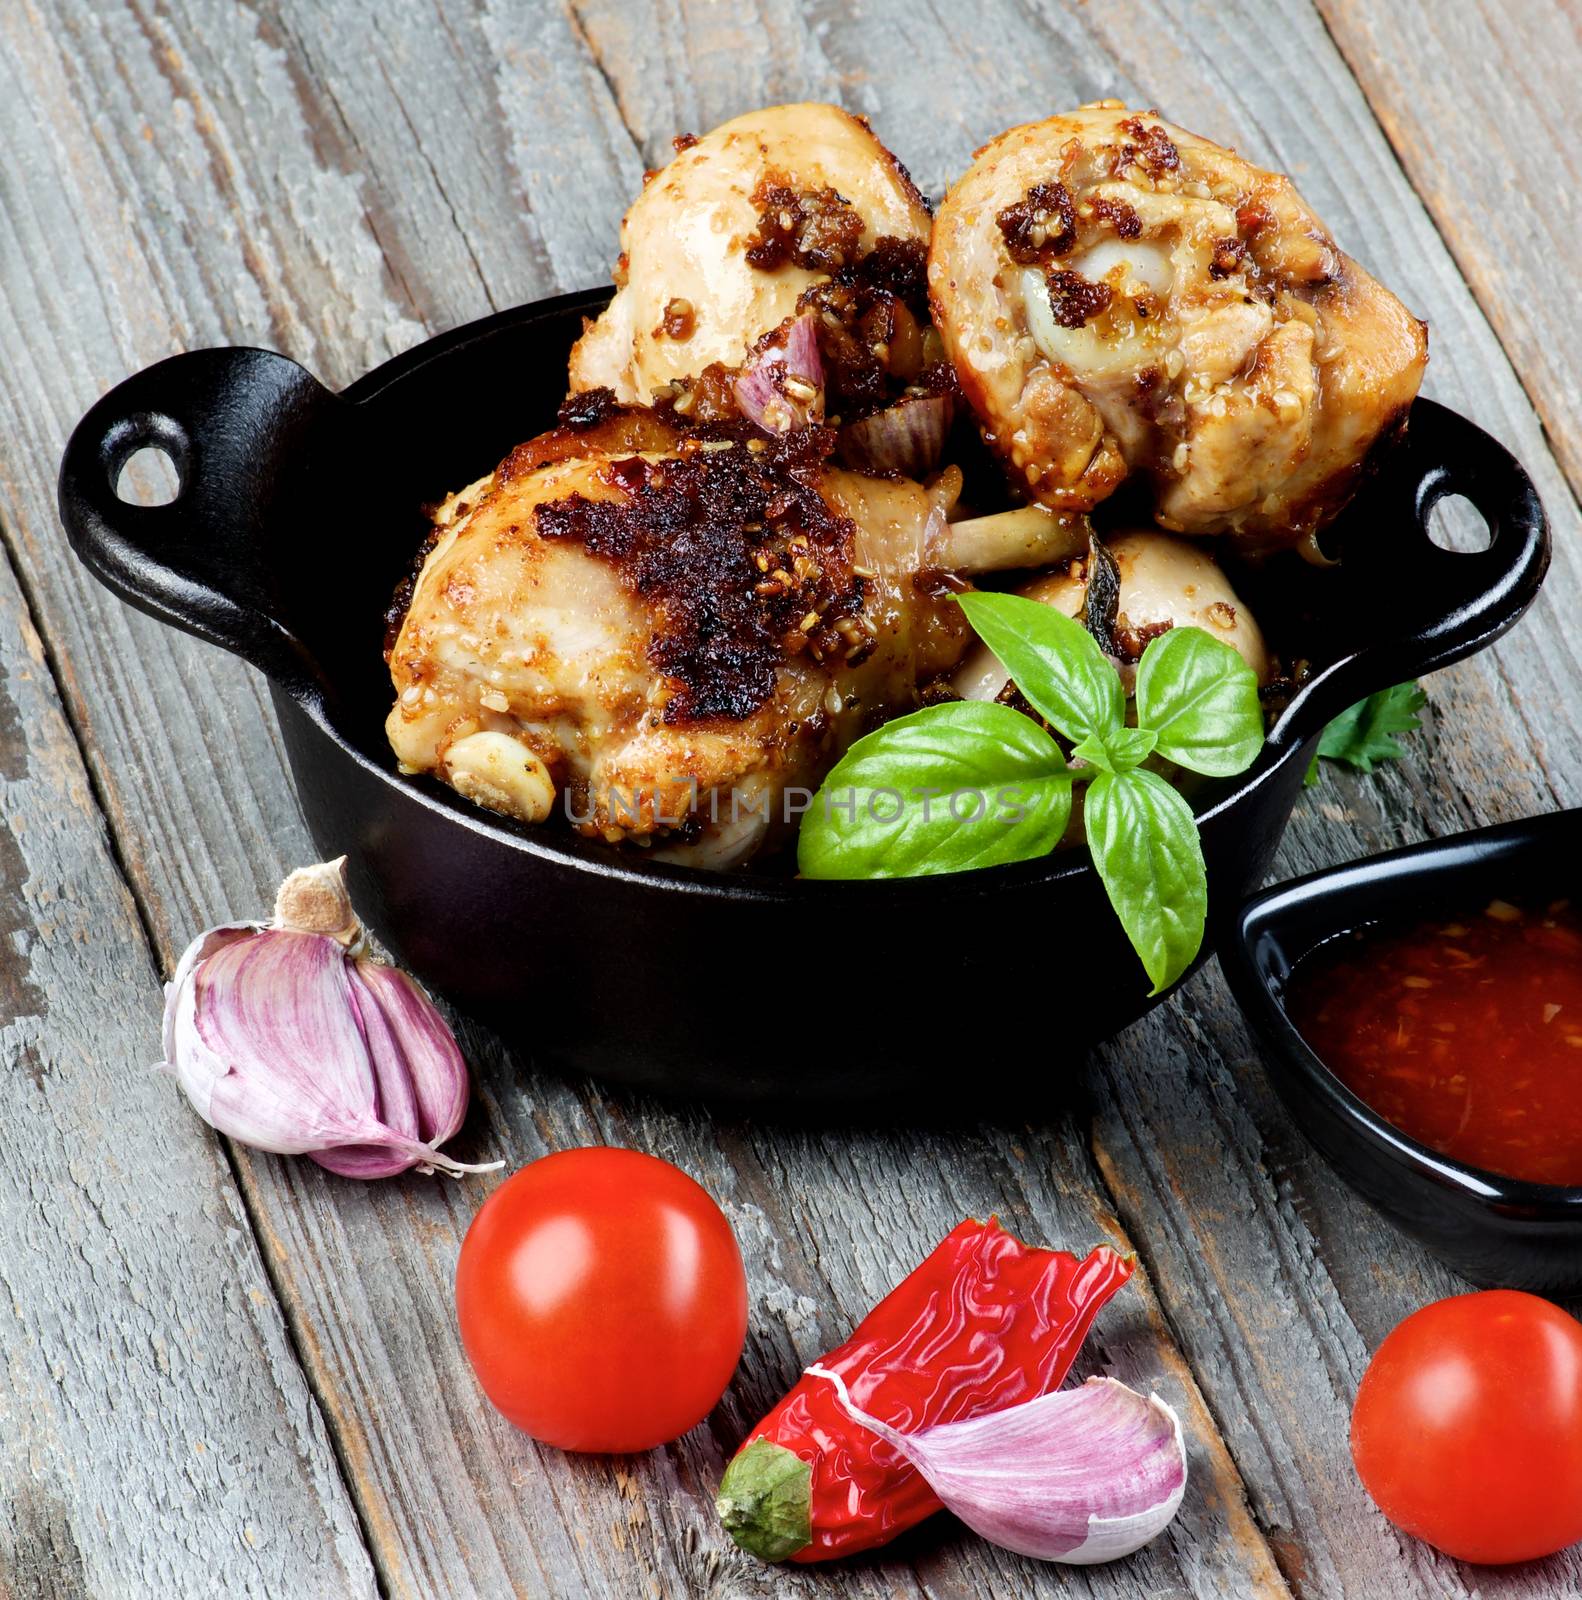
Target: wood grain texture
<point>157,1435</point>
<point>1277,1282</point>
<point>422,166</point>
<point>455,1501</point>
<point>1481,103</point>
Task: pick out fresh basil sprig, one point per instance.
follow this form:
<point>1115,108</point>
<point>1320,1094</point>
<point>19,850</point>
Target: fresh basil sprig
<point>973,785</point>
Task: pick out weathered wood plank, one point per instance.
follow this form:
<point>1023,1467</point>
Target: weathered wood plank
<point>455,1501</point>
<point>1277,1281</point>
<point>1481,103</point>
<point>156,1432</point>
<point>418,172</point>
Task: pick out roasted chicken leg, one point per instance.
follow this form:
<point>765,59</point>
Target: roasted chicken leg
<point>1119,296</point>
<point>725,239</point>
<point>662,630</point>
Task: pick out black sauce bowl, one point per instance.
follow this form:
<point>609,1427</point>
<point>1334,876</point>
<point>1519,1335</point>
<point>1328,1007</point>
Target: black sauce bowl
<point>297,513</point>
<point>1492,1229</point>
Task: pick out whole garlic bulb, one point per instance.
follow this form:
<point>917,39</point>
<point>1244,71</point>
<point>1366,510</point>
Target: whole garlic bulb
<point>288,1037</point>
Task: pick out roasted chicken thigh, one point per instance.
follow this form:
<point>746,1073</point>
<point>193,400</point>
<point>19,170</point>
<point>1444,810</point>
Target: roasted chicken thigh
<point>661,630</point>
<point>1119,296</point>
<point>725,239</point>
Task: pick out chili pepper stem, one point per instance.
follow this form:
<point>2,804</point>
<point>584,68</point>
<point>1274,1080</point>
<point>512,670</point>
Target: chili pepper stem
<point>765,1501</point>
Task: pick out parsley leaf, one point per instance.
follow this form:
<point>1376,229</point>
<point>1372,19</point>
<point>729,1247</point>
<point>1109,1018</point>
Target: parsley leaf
<point>1368,733</point>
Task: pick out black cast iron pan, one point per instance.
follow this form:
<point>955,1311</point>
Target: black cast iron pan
<point>298,512</point>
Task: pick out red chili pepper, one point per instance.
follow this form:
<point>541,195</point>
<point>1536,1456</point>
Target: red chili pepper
<point>986,1322</point>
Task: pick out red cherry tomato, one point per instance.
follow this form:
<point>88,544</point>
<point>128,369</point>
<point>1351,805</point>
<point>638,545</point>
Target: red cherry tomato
<point>602,1300</point>
<point>1467,1429</point>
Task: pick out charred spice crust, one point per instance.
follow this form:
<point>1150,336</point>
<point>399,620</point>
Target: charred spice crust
<point>734,541</point>
<point>818,229</point>
<point>1043,223</point>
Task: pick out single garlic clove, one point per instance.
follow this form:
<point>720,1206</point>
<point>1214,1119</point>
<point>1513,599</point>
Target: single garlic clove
<point>437,1071</point>
<point>395,1102</point>
<point>1079,1476</point>
<point>782,386</point>
<point>497,770</point>
<point>422,1079</point>
<point>367,1161</point>
<point>907,438</point>
<point>200,949</point>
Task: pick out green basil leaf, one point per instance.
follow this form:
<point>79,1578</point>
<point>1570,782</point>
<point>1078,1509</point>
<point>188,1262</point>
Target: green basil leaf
<point>1201,698</point>
<point>1365,734</point>
<point>1130,747</point>
<point>945,789</point>
<point>1095,751</point>
<point>1118,751</point>
<point>1145,844</point>
<point>1067,679</point>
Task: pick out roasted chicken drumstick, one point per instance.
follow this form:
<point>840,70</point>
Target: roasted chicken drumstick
<point>1119,296</point>
<point>660,630</point>
<point>725,239</point>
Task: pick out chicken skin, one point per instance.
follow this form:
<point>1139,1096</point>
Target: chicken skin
<point>1121,297</point>
<point>725,239</point>
<point>661,630</point>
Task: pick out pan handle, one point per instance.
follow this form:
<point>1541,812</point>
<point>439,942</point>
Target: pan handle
<point>235,424</point>
<point>1429,606</point>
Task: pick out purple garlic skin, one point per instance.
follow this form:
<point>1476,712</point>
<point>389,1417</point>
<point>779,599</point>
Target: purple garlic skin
<point>907,438</point>
<point>1080,1476</point>
<point>782,387</point>
<point>286,1037</point>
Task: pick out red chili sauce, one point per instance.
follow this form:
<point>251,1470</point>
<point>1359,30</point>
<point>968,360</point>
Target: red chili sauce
<point>1464,1033</point>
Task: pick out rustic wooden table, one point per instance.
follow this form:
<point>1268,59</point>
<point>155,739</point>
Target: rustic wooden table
<point>231,1374</point>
